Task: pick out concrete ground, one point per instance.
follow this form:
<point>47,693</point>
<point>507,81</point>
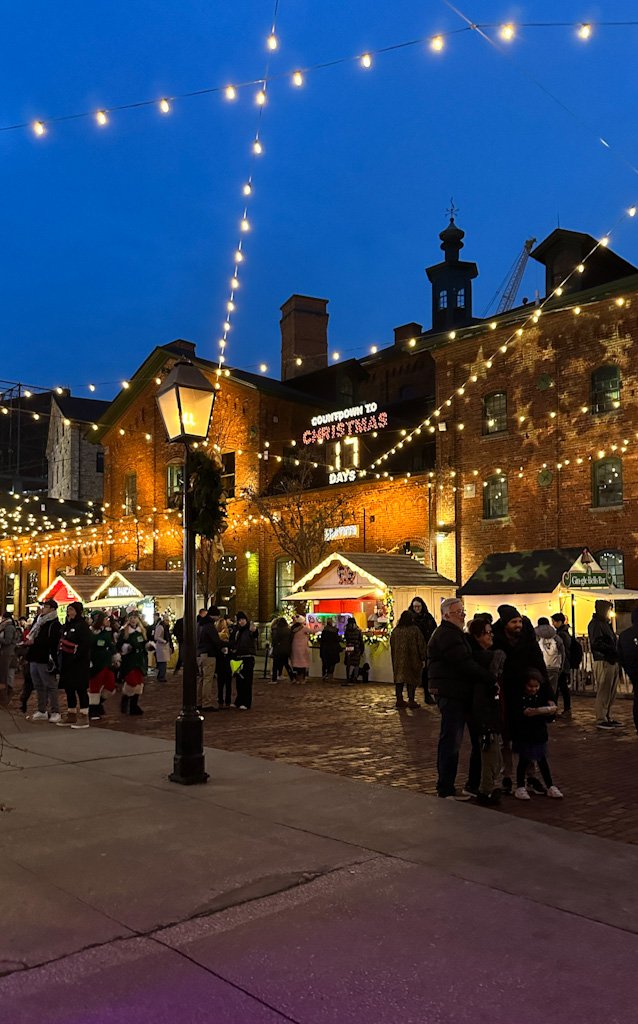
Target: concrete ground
<point>357,732</point>
<point>281,893</point>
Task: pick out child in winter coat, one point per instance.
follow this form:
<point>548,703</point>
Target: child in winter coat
<point>530,709</point>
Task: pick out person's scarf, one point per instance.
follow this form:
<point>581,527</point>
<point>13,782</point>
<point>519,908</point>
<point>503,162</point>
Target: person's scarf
<point>41,621</point>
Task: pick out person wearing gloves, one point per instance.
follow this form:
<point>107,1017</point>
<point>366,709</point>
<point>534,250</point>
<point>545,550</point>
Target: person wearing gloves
<point>243,648</point>
<point>132,645</point>
<point>42,651</point>
<point>75,661</point>
<point>102,674</point>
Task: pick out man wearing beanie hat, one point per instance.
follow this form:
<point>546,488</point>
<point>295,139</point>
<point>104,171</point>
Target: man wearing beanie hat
<point>514,634</point>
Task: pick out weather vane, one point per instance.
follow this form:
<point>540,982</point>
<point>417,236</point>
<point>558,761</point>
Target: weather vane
<point>452,210</point>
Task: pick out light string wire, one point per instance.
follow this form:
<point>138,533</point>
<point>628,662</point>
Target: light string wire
<point>272,44</point>
<point>436,41</point>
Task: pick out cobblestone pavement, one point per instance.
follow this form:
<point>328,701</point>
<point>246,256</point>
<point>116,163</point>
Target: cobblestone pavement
<point>357,732</point>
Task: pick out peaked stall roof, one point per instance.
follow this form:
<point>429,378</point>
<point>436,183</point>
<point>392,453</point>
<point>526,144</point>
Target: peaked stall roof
<point>382,569</point>
<point>521,572</point>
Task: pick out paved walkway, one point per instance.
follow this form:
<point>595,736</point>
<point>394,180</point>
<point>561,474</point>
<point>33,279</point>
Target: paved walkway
<point>357,732</point>
<point>278,893</point>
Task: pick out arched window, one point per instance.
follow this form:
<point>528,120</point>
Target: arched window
<point>495,497</point>
<point>605,389</point>
<point>612,562</point>
<point>443,298</point>
<point>607,486</point>
<point>284,579</point>
<point>174,483</point>
<point>495,413</point>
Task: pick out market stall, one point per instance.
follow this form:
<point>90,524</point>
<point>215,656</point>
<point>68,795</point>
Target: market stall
<point>542,582</point>
<point>66,588</point>
<point>151,590</point>
<point>374,589</point>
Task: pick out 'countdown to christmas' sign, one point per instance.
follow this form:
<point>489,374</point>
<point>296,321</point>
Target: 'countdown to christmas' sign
<point>333,426</point>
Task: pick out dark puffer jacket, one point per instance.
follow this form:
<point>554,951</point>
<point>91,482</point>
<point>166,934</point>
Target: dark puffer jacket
<point>602,639</point>
<point>75,667</point>
<point>452,669</point>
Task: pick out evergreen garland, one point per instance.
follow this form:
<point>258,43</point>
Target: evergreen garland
<point>207,495</point>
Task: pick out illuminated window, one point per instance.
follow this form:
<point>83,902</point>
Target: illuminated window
<point>443,298</point>
<point>495,413</point>
<point>495,497</point>
<point>460,298</point>
<point>227,582</point>
<point>130,494</point>
<point>605,389</point>
<point>33,587</point>
<point>174,483</point>
<point>607,486</point>
<point>228,473</point>
<point>612,562</point>
<point>284,579</point>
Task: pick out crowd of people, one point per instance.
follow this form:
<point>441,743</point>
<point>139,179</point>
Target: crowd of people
<point>501,680</point>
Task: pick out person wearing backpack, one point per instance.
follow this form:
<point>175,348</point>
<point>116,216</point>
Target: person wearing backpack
<point>553,651</point>
<point>574,652</point>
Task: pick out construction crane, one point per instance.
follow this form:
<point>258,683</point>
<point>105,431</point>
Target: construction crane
<point>508,289</point>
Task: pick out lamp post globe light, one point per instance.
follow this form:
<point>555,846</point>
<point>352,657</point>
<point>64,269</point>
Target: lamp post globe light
<point>186,400</point>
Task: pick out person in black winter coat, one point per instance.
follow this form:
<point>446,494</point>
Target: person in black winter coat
<point>243,647</point>
<point>355,647</point>
<point>604,653</point>
<point>329,649</point>
<point>514,634</point>
<point>530,709</point>
<point>209,651</point>
<point>42,653</point>
<point>427,624</point>
<point>281,644</point>
<point>486,710</point>
<point>628,656</point>
<point>75,666</point>
<point>453,672</point>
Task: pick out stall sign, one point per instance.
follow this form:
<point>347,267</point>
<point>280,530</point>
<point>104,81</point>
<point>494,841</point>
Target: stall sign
<point>340,532</point>
<point>587,580</point>
<point>122,592</point>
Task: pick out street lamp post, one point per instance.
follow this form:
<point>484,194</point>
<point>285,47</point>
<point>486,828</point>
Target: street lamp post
<point>186,401</point>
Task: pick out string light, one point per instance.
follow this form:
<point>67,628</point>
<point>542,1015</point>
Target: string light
<point>272,42</point>
<point>366,61</point>
<point>584,31</point>
<point>260,98</point>
<point>38,127</point>
<point>230,92</point>
<point>297,78</point>
<point>101,117</point>
<point>164,106</point>
<point>437,43</point>
<point>507,32</point>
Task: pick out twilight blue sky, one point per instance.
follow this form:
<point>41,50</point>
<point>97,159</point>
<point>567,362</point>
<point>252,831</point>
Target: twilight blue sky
<point>116,239</point>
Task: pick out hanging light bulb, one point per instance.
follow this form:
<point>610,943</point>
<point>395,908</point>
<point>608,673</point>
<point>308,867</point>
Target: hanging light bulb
<point>260,98</point>
<point>297,78</point>
<point>244,224</point>
<point>507,32</point>
<point>437,43</point>
<point>247,189</point>
<point>335,356</point>
<point>272,42</point>
<point>366,61</point>
<point>584,30</point>
<point>164,106</point>
<point>263,368</point>
<point>373,350</point>
<point>632,211</point>
<point>605,241</point>
<point>230,92</point>
<point>234,283</point>
<point>101,117</point>
<point>239,256</point>
<point>91,387</point>
<point>38,127</point>
<point>257,147</point>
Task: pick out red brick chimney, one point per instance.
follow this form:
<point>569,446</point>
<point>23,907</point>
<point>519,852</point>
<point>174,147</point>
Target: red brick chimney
<point>304,335</point>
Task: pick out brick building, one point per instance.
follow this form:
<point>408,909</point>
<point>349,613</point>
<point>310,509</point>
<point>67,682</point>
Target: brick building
<point>471,437</point>
<point>75,463</point>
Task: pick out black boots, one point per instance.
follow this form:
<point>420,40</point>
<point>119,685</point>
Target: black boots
<point>124,705</point>
<point>134,708</point>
